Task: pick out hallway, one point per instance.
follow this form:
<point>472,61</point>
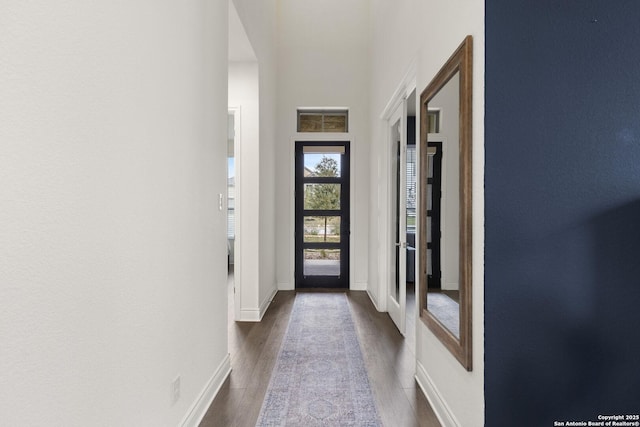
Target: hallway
<point>254,348</point>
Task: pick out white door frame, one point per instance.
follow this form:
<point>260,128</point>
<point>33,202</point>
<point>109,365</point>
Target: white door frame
<point>397,145</point>
<point>385,199</point>
<point>237,242</point>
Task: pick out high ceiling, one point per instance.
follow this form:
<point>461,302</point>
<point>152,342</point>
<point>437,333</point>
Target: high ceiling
<point>240,49</point>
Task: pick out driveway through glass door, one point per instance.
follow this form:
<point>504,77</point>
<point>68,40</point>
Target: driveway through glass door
<point>322,214</point>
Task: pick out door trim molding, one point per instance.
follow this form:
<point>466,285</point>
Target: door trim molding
<point>407,85</point>
<point>394,259</point>
<point>238,264</point>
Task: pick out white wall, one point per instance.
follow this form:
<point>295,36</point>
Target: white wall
<point>260,20</point>
<point>428,32</point>
<point>323,59</point>
<point>113,260</point>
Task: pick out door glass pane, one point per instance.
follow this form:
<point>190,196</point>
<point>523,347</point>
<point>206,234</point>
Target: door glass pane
<point>321,262</point>
<point>430,166</point>
<point>398,238</point>
<point>411,189</point>
<point>433,121</point>
<point>322,196</point>
<point>411,221</point>
<point>324,161</point>
<point>322,229</point>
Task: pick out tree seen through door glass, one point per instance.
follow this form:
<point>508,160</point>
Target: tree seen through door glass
<point>322,197</point>
<point>322,164</point>
<point>325,197</point>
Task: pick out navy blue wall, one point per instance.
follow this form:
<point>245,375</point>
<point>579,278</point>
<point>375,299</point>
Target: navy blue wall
<point>562,273</point>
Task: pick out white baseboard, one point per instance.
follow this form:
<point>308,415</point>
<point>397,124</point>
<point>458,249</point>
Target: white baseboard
<point>267,302</point>
<point>285,286</point>
<point>249,315</point>
<point>374,301</point>
<point>201,405</point>
<point>256,314</point>
<point>359,286</point>
<point>439,405</point>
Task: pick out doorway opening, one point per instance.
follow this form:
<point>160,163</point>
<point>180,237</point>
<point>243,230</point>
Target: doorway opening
<point>322,214</point>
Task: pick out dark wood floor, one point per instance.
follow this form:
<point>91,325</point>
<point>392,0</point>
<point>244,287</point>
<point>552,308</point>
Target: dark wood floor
<point>254,347</point>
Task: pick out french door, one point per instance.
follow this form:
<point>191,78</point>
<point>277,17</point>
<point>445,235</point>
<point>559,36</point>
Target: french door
<point>397,289</point>
<point>322,214</point>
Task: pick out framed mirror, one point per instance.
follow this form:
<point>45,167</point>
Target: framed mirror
<point>445,204</point>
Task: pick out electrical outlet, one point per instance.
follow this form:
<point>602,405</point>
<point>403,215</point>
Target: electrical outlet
<point>175,390</point>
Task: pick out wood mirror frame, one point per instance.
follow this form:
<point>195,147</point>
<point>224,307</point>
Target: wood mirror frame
<point>460,61</point>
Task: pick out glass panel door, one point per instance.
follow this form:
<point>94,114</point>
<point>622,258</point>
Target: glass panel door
<point>397,290</point>
<point>322,214</point>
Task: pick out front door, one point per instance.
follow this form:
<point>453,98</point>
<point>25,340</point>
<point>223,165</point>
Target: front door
<point>322,214</point>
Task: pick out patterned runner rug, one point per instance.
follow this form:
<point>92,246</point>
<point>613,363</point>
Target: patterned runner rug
<point>319,378</point>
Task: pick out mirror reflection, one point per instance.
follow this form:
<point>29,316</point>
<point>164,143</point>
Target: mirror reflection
<point>443,206</point>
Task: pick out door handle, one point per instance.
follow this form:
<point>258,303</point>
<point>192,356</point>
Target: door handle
<point>401,244</point>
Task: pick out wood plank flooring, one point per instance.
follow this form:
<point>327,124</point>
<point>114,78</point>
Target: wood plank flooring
<point>254,348</point>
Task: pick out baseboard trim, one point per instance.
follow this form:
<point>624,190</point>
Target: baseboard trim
<point>249,315</point>
<point>359,286</point>
<point>438,404</point>
<point>267,302</point>
<point>255,315</point>
<point>285,286</point>
<point>374,301</point>
<point>201,405</point>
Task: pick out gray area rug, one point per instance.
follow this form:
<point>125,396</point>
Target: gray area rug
<point>446,310</point>
<point>319,378</point>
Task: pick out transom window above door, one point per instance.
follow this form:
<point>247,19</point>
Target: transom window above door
<point>323,120</point>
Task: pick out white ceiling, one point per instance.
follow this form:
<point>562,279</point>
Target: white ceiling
<point>240,49</point>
